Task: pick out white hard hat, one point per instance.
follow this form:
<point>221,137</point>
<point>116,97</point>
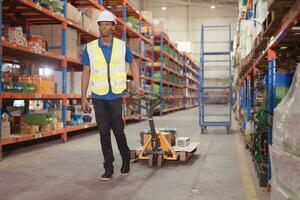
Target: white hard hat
<point>6,67</point>
<point>106,16</point>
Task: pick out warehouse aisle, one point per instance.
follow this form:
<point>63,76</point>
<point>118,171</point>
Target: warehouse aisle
<point>71,171</point>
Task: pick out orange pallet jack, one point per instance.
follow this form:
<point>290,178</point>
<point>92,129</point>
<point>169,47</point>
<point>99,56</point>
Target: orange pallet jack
<point>157,149</point>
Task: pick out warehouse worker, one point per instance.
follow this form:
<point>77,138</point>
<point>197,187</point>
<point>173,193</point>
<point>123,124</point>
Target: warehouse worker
<point>104,64</point>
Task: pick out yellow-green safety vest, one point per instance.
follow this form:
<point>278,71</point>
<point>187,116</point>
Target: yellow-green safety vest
<point>102,72</point>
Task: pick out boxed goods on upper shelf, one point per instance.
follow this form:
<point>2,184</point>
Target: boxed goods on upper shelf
<point>53,35</point>
<point>261,10</point>
<point>147,15</point>
<point>74,14</point>
<point>158,25</point>
<point>90,16</point>
<point>16,36</point>
<point>36,43</point>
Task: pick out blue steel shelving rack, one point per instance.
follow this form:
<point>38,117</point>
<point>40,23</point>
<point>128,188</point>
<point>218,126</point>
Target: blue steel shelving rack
<point>161,40</point>
<point>1,91</point>
<point>62,59</point>
<point>191,67</point>
<point>204,122</point>
<point>289,20</point>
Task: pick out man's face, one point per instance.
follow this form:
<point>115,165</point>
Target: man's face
<point>106,28</point>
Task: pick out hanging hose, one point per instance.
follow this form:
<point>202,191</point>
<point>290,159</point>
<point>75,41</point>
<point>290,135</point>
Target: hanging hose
<point>262,119</point>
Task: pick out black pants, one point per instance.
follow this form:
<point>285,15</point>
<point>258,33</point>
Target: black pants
<point>109,116</point>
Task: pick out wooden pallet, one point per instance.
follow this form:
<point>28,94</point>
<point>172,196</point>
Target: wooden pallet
<point>183,153</point>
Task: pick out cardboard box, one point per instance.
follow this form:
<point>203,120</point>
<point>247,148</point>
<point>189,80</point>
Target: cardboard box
<point>5,130</point>
<point>134,44</point>
<point>46,128</point>
<point>34,129</point>
<point>57,113</point>
<point>54,39</point>
<point>147,15</point>
<point>183,141</point>
<point>165,134</point>
<point>60,125</point>
<point>68,115</point>
<point>92,13</point>
<point>86,23</point>
<point>24,129</point>
<point>74,14</point>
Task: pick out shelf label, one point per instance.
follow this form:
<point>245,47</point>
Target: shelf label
<point>85,126</point>
<point>38,135</point>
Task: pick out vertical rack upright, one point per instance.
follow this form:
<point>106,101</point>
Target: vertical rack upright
<point>264,59</point>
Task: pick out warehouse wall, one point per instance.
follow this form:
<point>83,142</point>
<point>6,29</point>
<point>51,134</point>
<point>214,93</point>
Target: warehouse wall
<point>177,26</point>
<point>177,22</point>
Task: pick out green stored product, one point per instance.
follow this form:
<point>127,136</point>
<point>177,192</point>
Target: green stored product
<point>156,48</point>
<point>280,93</point>
<point>147,74</point>
<point>39,118</point>
<point>156,89</point>
<point>58,6</point>
<point>46,3</point>
<point>8,86</point>
<point>262,117</point>
<point>134,22</point>
<point>29,87</point>
<point>156,75</point>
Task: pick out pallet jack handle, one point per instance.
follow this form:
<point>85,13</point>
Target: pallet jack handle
<point>151,101</point>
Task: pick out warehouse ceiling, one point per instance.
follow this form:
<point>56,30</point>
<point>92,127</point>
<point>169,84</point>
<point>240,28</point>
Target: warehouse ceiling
<point>222,3</point>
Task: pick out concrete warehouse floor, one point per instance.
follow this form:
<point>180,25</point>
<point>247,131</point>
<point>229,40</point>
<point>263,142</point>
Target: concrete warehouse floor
<point>221,169</point>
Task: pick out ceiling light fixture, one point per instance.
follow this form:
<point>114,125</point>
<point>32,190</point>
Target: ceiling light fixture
<point>163,8</point>
<point>213,5</point>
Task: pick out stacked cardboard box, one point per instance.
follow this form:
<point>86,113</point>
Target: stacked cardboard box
<point>133,44</point>
<point>5,130</point>
<point>86,23</point>
<point>167,136</point>
<point>90,16</point>
<point>37,44</point>
<point>261,10</point>
<point>53,35</point>
<point>158,25</point>
<point>147,15</point>
<point>16,36</point>
<point>43,85</point>
<point>74,14</point>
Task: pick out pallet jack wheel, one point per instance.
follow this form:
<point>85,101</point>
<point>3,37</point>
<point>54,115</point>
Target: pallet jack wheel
<point>151,161</point>
<point>203,130</point>
<point>160,160</point>
<point>228,130</point>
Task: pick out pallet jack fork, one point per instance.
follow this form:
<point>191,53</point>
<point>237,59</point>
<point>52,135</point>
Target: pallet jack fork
<point>157,149</point>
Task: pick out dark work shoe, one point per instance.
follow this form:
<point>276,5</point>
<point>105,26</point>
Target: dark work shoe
<point>125,168</point>
<point>108,175</point>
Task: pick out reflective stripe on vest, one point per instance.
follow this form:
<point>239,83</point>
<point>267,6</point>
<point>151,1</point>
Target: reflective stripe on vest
<point>99,68</point>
